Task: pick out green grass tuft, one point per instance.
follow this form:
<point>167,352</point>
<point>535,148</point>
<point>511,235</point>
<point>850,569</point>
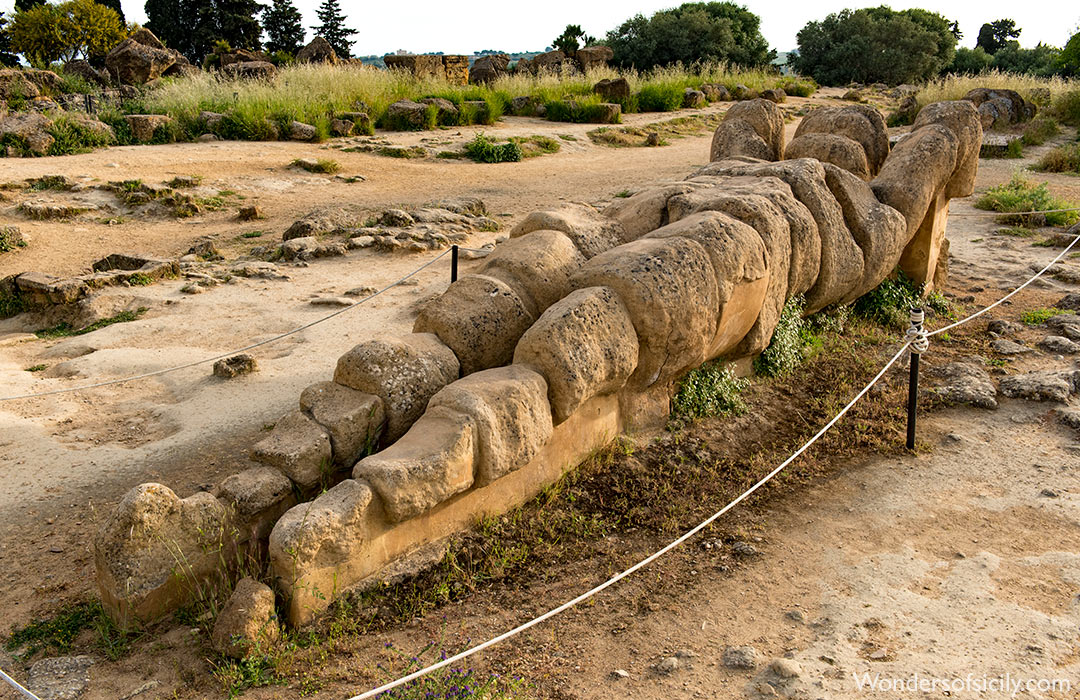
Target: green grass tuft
<point>1035,317</point>
<point>1021,195</point>
<point>1063,159</point>
<point>64,330</point>
<point>483,150</point>
<point>322,165</point>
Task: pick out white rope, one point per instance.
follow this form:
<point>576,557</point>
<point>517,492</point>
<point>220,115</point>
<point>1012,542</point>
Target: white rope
<point>1010,294</point>
<point>15,684</point>
<point>230,353</point>
<point>1011,213</point>
<point>644,562</point>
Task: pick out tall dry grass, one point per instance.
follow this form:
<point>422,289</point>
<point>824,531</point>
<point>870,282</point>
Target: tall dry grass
<point>954,87</point>
<point>314,93</point>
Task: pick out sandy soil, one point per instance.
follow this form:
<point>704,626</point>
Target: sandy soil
<point>871,557</point>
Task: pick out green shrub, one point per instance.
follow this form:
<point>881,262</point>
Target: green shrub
<point>70,136</point>
<point>536,145</point>
<point>238,126</point>
<point>1020,195</point>
<point>890,303</point>
<point>785,350</point>
<point>1035,317</point>
<point>322,165</point>
<point>1039,130</point>
<point>1067,108</point>
<point>1063,159</point>
<point>10,239</point>
<point>588,109</point>
<point>803,87</point>
<point>483,150</point>
<point>660,97</point>
<point>710,390</point>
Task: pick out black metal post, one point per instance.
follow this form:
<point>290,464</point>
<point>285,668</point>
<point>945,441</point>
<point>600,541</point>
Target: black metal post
<point>453,263</point>
<point>913,378</point>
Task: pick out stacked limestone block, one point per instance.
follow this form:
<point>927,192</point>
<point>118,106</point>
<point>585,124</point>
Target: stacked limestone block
<point>579,326</point>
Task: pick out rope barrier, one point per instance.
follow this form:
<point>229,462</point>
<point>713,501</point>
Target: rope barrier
<point>215,358</point>
<point>1011,213</point>
<point>644,562</point>
<point>1003,299</point>
<point>15,684</point>
<point>917,340</point>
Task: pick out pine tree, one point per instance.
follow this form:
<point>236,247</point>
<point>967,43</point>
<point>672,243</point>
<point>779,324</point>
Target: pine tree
<point>167,20</point>
<point>333,29</point>
<point>114,5</point>
<point>238,23</point>
<point>281,20</point>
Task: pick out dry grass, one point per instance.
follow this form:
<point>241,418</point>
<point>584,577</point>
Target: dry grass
<point>954,87</point>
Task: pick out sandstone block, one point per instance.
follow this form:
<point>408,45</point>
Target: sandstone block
<point>537,266</point>
<point>862,124</point>
<point>154,548</point>
<point>830,148</point>
<point>248,623</point>
<point>480,318</point>
<point>433,461</point>
<point>404,372</point>
<point>590,231</point>
<point>353,419</point>
<point>510,409</point>
<point>299,447</point>
<point>584,345</point>
<point>669,287</point>
<point>962,120</point>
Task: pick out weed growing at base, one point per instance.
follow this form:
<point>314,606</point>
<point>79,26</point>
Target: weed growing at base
<point>710,390</point>
<point>1063,159</point>
<point>483,150</point>
<point>57,634</point>
<point>890,303</point>
<point>322,165</point>
<point>1036,317</point>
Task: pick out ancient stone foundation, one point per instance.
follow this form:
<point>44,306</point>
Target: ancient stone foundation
<point>574,330</point>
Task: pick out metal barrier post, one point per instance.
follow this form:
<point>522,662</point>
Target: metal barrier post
<point>917,347</point>
<point>453,263</point>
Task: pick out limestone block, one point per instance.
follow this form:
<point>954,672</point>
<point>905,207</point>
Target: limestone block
<point>916,172</point>
<point>510,409</point>
<point>298,446</point>
<point>537,266</point>
<point>258,497</point>
<point>404,372</point>
<point>767,121</point>
<point>961,118</point>
<point>737,137</point>
<point>879,230</point>
<point>433,461</point>
<point>647,210</point>
<point>480,318</point>
<point>584,345</point>
<point>353,419</point>
<point>831,148</point>
<point>590,231</point>
<point>248,622</point>
<point>862,124</point>
<point>154,548</point>
<point>669,287</point>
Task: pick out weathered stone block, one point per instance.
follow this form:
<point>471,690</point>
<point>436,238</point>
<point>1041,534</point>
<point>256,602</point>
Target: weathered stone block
<point>591,232</point>
<point>299,447</point>
<point>433,461</point>
<point>404,372</point>
<point>510,409</point>
<point>584,345</point>
<point>353,419</point>
<point>248,623</point>
<point>537,266</point>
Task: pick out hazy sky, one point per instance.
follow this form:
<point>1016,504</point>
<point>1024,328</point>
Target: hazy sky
<point>464,26</point>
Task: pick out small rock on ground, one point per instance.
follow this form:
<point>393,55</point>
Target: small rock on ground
<point>332,301</point>
<point>235,366</point>
<point>785,668</point>
<point>1008,347</point>
<point>60,678</point>
<point>966,383</point>
<point>668,666</point>
<point>1059,345</point>
<point>740,657</point>
<point>1040,386</point>
<point>1002,327</point>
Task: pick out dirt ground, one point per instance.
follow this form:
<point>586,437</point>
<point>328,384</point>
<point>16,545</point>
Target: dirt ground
<point>943,564</point>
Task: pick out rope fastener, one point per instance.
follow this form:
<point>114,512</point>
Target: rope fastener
<point>919,342</point>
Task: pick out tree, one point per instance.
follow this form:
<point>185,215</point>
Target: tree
<point>114,5</point>
<point>24,5</point>
<point>167,20</point>
<point>876,44</point>
<point>1041,61</point>
<point>284,32</point>
<point>568,41</point>
<point>238,23</point>
<point>332,28</point>
<point>1069,60</point>
<point>995,35</point>
<point>970,61</point>
<point>7,58</point>
<point>48,33</point>
<point>713,31</point>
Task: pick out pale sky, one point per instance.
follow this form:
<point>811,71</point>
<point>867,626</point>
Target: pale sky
<point>465,26</point>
